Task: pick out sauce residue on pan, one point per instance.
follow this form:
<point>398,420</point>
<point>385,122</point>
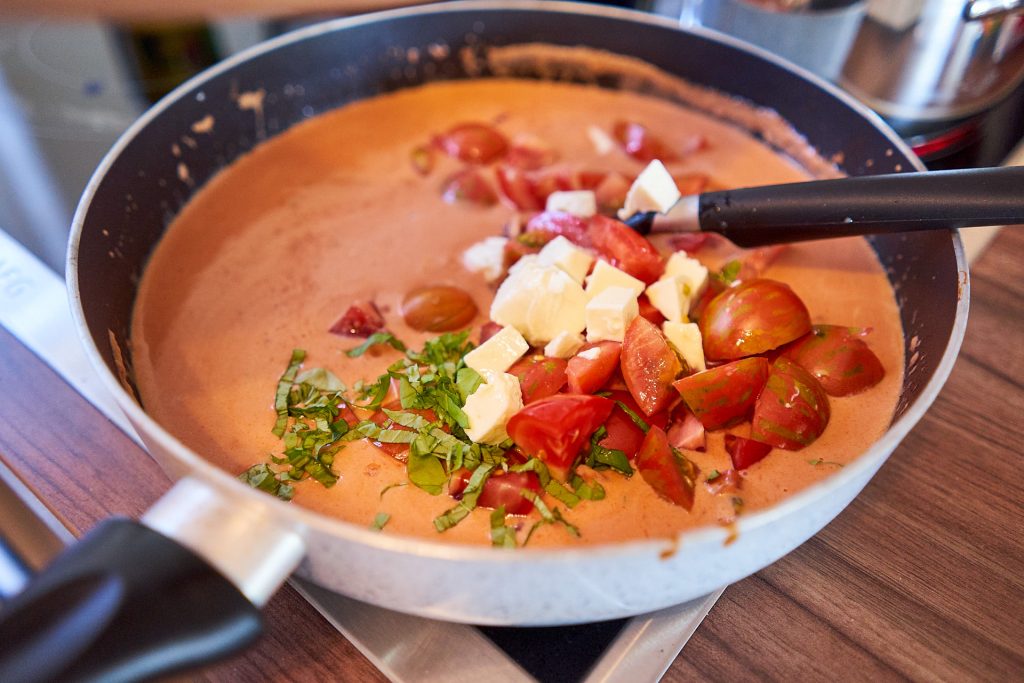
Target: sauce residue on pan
<point>271,251</point>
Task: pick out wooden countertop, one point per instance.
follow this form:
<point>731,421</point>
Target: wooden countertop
<point>922,577</point>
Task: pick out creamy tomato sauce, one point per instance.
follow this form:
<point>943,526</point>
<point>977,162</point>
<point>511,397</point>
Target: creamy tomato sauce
<point>268,255</point>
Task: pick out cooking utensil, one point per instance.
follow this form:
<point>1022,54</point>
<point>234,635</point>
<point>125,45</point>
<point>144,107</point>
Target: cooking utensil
<point>820,209</point>
<point>255,541</point>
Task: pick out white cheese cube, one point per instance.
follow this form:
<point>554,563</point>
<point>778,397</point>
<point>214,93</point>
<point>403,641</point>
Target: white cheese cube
<point>606,275</point>
<point>486,257</point>
<point>498,353</point>
<point>653,190</point>
<point>687,340</point>
<point>610,312</point>
<point>540,301</point>
<point>565,345</point>
<point>491,405</point>
<point>602,142</point>
<point>692,271</point>
<point>567,256</point>
<point>580,203</point>
<point>671,296</point>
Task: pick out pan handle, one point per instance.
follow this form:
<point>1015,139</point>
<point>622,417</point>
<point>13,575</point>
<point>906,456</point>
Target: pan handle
<point>134,600</point>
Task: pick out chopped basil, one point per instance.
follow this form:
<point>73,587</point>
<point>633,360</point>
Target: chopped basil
<point>819,461</point>
<point>501,536</point>
<point>637,420</point>
<point>410,420</point>
<point>379,520</point>
<point>391,486</point>
<point>265,479</point>
<point>322,379</point>
<point>467,380</point>
<point>600,458</point>
<point>375,339</point>
<point>466,505</point>
<point>425,471</point>
<point>712,475</point>
<point>554,488</point>
<point>585,490</point>
<point>284,386</point>
<point>730,271</point>
<point>547,516</point>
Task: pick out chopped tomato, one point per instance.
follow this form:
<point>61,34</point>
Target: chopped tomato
<point>554,223</point>
<point>625,248</point>
<point>360,320</point>
<point>517,188</point>
<point>529,153</point>
<point>724,395</point>
<point>623,433</point>
<point>640,143</point>
<point>751,318</point>
<point>590,369</point>
<point>468,185</point>
<point>726,482</point>
<point>667,471</point>
<point>529,242</point>
<point>745,452</point>
<point>539,376</point>
<point>793,409</point>
<point>548,180</point>
<point>686,431</point>
<point>837,358</point>
<point>488,330</point>
<point>648,311</point>
<point>690,183</point>
<point>556,428</point>
<point>649,365</point>
<point>475,143</point>
<point>501,488</point>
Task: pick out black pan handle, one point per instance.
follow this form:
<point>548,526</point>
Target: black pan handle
<point>864,205</point>
<point>125,603</point>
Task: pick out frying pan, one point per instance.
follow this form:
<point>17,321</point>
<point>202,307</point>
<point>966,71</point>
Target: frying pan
<point>184,585</point>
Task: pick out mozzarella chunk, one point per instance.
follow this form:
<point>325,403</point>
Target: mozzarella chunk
<point>653,190</point>
<point>486,257</point>
<point>567,256</point>
<point>606,275</point>
<point>610,312</point>
<point>490,407</point>
<point>565,345</point>
<point>692,271</point>
<point>498,353</point>
<point>671,296</point>
<point>541,301</point>
<point>580,203</point>
<point>687,340</point>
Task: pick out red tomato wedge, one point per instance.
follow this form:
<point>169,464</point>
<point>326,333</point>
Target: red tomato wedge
<point>686,431</point>
<point>624,434</point>
<point>745,452</point>
<point>539,376</point>
<point>837,358</point>
<point>475,143</point>
<point>751,318</point>
<point>793,409</point>
<point>648,311</point>
<point>667,471</point>
<point>360,320</point>
<point>589,370</point>
<point>649,365</point>
<point>555,428</point>
<point>724,395</point>
<point>468,185</point>
<point>554,223</point>
<point>501,488</point>
<point>517,188</point>
<point>640,143</point>
<point>626,249</point>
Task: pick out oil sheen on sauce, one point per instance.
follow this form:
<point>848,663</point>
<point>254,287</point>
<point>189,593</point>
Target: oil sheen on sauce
<point>268,255</point>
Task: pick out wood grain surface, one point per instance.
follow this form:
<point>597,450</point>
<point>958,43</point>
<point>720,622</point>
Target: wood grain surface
<point>922,577</point>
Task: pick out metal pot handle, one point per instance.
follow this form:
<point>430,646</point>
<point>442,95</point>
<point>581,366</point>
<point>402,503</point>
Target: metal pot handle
<point>976,10</point>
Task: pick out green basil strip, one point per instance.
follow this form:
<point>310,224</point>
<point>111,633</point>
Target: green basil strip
<point>379,520</point>
<point>424,470</point>
<point>265,479</point>
<point>375,339</point>
<point>467,380</point>
<point>585,490</point>
<point>472,491</point>
<point>410,420</point>
<point>501,536</point>
<point>284,387</point>
<point>637,420</point>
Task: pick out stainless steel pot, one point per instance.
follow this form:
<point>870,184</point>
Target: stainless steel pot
<point>212,548</point>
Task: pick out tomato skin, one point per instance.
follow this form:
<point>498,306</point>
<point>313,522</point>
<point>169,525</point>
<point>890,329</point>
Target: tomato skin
<point>625,248</point>
<point>587,375</point>
<point>670,474</point>
<point>360,320</point>
<point>724,395</point>
<point>686,431</point>
<point>539,376</point>
<point>517,189</point>
<point>745,452</point>
<point>793,410</point>
<point>751,318</point>
<point>468,185</point>
<point>555,428</point>
<point>624,434</point>
<point>475,143</point>
<point>501,488</point>
<point>838,359</point>
<point>649,365</point>
<point>554,223</point>
<point>640,143</point>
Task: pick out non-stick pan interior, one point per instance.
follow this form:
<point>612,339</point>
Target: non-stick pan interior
<point>212,120</point>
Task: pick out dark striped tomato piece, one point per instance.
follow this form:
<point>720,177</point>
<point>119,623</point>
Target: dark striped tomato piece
<point>745,452</point>
<point>625,248</point>
<point>667,471</point>
<point>724,395</point>
<point>838,359</point>
<point>649,365</point>
<point>792,410</point>
<point>539,376</point>
<point>751,318</point>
